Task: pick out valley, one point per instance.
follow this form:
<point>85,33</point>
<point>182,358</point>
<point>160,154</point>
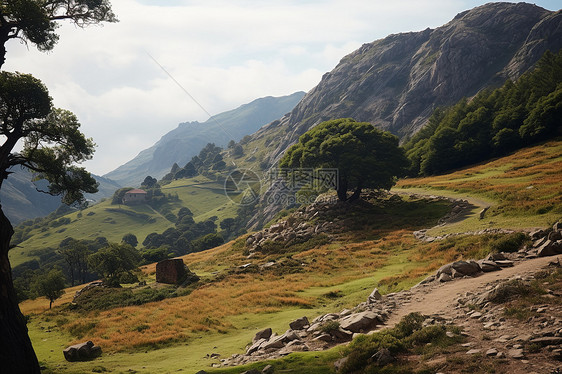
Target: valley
<point>402,216</point>
<point>233,303</point>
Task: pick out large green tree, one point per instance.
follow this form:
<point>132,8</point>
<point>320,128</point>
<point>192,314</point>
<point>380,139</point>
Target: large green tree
<point>114,260</point>
<point>35,21</point>
<point>364,156</point>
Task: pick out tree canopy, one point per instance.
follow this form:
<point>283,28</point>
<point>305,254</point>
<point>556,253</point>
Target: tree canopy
<point>51,286</point>
<point>52,141</point>
<point>35,21</point>
<point>364,156</point>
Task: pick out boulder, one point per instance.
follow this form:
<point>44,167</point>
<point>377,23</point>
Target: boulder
<point>374,296</point>
<point>537,234</point>
<point>466,268</point>
<point>174,271</point>
<point>341,335</point>
<point>557,226</point>
<point>549,248</point>
<point>444,277</point>
<point>488,266</point>
<point>256,346</point>
<point>82,352</point>
<point>263,334</point>
<point>445,269</point>
<point>555,235</point>
<point>299,324</point>
<point>276,342</point>
<point>359,322</point>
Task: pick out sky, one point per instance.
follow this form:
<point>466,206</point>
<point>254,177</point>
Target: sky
<point>123,80</point>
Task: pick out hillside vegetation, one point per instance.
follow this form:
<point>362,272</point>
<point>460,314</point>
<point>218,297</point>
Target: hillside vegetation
<point>238,295</point>
<point>492,123</point>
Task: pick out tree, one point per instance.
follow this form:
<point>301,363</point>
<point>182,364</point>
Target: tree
<point>114,260</point>
<point>74,253</point>
<point>149,182</point>
<point>51,286</point>
<point>364,156</point>
<point>130,239</point>
<point>35,21</point>
<point>52,146</point>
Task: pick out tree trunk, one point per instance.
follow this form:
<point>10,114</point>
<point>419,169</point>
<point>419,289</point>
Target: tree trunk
<point>342,189</point>
<point>16,352</point>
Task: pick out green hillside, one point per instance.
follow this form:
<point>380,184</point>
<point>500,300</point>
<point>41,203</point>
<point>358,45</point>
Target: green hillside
<point>204,197</point>
<point>376,248</point>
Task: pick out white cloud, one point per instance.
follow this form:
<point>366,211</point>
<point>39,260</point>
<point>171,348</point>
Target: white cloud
<point>224,53</point>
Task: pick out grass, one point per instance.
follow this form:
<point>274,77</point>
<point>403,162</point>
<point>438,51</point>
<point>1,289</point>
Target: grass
<point>204,197</point>
<point>523,189</point>
<point>376,249</point>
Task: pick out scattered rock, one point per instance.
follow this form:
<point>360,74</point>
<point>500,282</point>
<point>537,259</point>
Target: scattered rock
<point>492,352</point>
<point>374,296</point>
<point>263,334</point>
<point>299,324</point>
<point>516,353</point>
<point>359,322</point>
<point>82,352</point>
<point>473,351</point>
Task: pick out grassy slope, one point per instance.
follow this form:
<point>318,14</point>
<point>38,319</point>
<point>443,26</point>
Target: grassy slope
<point>522,189</point>
<point>222,316</point>
<point>205,198</point>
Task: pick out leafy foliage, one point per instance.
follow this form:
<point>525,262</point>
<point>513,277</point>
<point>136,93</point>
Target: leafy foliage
<point>53,143</point>
<point>209,158</point>
<point>35,21</point>
<point>493,123</point>
<point>51,286</point>
<point>364,156</point>
<point>114,260</point>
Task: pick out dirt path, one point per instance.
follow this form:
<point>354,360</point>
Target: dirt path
<point>441,298</point>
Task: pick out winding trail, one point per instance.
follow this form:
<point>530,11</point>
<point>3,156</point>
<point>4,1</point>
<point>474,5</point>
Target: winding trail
<point>440,298</point>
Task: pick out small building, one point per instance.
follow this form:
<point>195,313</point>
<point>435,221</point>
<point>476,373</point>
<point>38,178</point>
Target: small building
<point>135,196</point>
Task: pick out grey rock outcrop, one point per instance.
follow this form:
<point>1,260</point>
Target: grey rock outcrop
<point>396,82</point>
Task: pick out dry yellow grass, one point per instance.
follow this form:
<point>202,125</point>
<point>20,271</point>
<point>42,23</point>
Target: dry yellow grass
<point>527,182</point>
<point>225,292</point>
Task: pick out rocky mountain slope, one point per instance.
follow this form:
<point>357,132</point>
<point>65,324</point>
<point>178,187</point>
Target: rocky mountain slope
<point>396,82</point>
<point>184,142</point>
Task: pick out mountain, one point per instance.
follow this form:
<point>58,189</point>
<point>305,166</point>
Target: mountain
<point>184,142</point>
<point>396,82</point>
<point>22,200</point>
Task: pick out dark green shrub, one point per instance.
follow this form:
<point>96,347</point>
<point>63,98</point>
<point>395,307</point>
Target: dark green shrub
<point>509,243</point>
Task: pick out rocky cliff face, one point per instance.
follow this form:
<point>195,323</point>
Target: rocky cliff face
<point>396,82</point>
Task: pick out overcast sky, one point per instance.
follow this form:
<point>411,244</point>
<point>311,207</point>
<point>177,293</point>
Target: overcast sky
<point>224,53</point>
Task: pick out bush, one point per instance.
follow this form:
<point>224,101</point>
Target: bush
<point>509,243</point>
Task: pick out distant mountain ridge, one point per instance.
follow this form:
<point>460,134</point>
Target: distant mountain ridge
<point>21,198</point>
<point>396,82</point>
<point>184,142</point>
